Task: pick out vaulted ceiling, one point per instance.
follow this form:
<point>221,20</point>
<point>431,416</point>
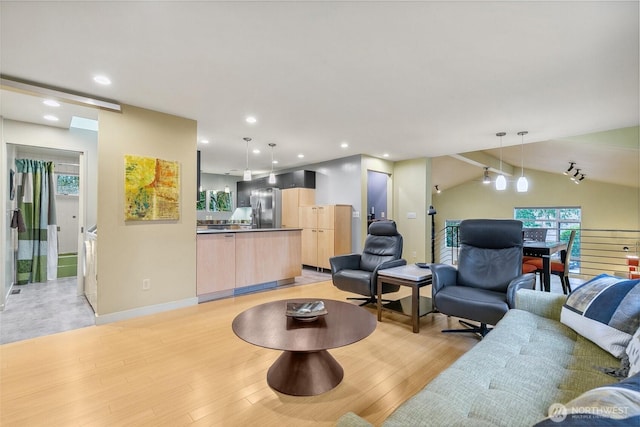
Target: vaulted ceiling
<point>406,79</point>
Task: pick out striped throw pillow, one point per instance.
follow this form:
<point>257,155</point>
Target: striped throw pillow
<point>605,310</point>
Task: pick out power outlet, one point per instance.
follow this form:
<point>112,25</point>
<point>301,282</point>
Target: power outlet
<point>414,255</point>
<point>146,284</point>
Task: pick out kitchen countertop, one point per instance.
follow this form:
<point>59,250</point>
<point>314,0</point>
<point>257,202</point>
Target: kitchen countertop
<point>245,230</point>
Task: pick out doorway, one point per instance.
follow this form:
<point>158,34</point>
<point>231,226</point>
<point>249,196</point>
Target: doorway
<point>37,309</point>
<point>377,183</point>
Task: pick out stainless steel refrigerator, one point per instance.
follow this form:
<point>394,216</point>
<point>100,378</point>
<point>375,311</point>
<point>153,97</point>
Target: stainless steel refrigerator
<point>266,208</point>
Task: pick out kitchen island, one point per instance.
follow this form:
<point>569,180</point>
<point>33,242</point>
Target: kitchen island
<point>238,261</point>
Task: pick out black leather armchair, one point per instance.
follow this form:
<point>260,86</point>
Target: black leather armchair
<point>489,273</point>
<point>358,273</point>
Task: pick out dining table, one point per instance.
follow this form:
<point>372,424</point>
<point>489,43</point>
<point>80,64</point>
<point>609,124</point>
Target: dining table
<point>543,250</point>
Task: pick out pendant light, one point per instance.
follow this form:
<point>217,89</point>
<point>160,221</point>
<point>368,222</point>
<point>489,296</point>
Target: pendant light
<point>226,186</point>
<point>247,171</point>
<point>522,185</point>
<point>272,176</point>
<point>486,179</point>
<point>501,181</point>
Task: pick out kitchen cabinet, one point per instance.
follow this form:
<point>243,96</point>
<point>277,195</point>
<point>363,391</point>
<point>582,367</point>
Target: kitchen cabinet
<point>235,262</point>
<point>297,179</point>
<point>243,194</point>
<point>267,256</point>
<point>292,200</point>
<point>216,263</point>
<point>326,232</point>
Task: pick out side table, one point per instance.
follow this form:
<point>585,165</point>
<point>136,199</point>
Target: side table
<point>415,306</point>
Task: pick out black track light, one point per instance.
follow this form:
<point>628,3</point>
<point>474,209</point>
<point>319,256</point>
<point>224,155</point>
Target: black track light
<point>571,165</point>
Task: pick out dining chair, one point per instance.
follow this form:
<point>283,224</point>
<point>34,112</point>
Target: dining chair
<point>558,268</point>
<point>536,234</point>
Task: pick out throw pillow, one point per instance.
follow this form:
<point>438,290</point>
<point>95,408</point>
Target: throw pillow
<point>633,352</point>
<point>611,405</point>
<point>604,310</point>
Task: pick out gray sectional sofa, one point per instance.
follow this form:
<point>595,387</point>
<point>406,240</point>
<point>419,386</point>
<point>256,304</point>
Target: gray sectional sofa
<point>510,378</point>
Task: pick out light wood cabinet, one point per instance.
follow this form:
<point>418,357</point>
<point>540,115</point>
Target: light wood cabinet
<point>229,263</point>
<point>292,199</point>
<point>267,256</point>
<point>216,263</point>
<point>326,232</point>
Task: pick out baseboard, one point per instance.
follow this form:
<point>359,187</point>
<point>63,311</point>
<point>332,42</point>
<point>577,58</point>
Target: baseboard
<point>145,311</point>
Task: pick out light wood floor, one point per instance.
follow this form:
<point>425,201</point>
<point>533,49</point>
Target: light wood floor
<point>186,367</point>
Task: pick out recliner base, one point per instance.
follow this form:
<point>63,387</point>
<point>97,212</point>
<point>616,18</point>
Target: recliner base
<point>481,329</point>
<point>367,300</point>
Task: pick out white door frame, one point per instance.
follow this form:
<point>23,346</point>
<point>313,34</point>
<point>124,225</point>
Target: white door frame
<point>82,210</point>
<point>82,226</point>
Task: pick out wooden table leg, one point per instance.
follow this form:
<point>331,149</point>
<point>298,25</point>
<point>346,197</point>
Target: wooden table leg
<point>304,373</point>
<point>415,307</point>
<point>379,299</point>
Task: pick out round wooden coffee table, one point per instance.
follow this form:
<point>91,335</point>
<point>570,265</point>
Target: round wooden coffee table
<point>305,368</point>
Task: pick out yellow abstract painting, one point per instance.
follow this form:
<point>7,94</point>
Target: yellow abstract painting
<point>151,189</point>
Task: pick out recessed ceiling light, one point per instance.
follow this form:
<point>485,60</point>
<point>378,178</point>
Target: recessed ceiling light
<point>51,102</point>
<point>300,156</point>
<point>204,141</point>
<point>256,151</point>
<point>385,155</point>
<point>51,118</point>
<point>251,119</point>
<point>344,145</point>
<point>103,80</point>
<point>275,162</point>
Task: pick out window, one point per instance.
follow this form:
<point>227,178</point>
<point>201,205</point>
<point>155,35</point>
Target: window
<point>68,185</point>
<point>451,231</point>
<point>558,221</point>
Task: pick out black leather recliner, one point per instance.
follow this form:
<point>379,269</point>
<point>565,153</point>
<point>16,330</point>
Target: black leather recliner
<point>483,286</point>
<point>358,273</point>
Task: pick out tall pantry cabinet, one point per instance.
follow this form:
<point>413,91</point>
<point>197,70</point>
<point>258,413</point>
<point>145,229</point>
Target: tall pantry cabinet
<point>292,199</point>
<point>326,232</point>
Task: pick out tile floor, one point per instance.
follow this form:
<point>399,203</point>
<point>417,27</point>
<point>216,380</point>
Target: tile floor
<point>43,309</point>
<point>48,308</point>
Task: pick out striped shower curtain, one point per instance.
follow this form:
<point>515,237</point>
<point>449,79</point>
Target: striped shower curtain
<point>38,245</point>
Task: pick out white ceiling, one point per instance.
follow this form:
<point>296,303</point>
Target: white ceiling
<point>411,79</point>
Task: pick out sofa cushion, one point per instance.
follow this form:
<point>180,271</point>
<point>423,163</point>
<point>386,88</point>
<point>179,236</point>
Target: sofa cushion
<point>510,378</point>
<point>605,310</point>
<point>610,405</point>
<point>633,352</point>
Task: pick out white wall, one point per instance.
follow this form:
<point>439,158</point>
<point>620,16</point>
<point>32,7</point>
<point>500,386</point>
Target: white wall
<point>338,183</point>
<point>130,251</point>
<point>412,181</point>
